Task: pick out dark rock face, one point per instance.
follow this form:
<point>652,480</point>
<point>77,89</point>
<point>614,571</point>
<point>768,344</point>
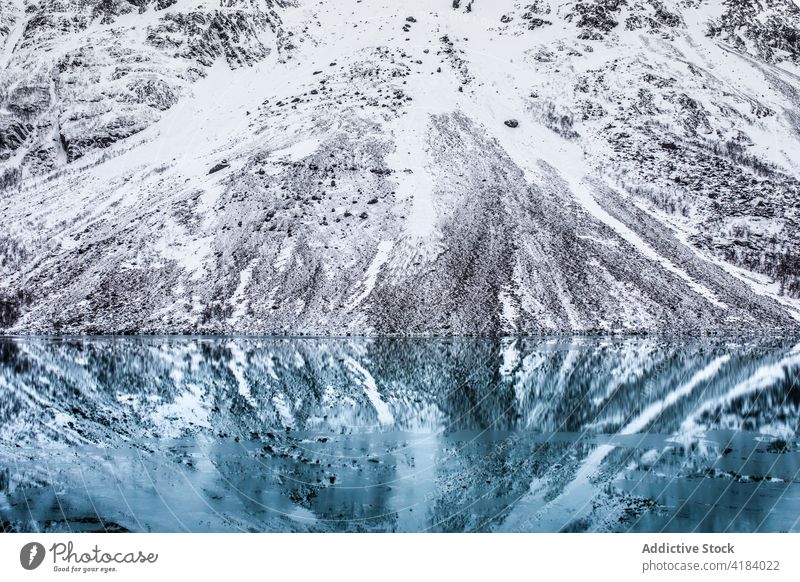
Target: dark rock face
<point>652,15</point>
<point>767,29</point>
<point>220,166</point>
<point>466,5</point>
<point>205,36</point>
<point>13,134</point>
<point>595,17</point>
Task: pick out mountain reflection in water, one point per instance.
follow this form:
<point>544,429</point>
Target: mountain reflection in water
<point>201,434</point>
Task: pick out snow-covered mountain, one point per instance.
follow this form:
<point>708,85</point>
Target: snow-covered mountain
<point>367,166</point>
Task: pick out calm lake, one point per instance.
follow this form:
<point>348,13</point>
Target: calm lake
<point>270,434</point>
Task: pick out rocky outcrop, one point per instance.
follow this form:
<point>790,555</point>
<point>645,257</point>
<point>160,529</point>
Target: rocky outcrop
<point>767,29</point>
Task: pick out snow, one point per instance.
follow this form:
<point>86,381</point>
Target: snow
<point>190,253</point>
<point>284,410</point>
<point>509,310</point>
<point>643,247</point>
<point>527,146</point>
<point>188,408</point>
<point>762,378</point>
<point>381,257</point>
<point>211,120</point>
<point>654,410</point>
<point>239,299</point>
<point>298,151</point>
<point>511,357</point>
<point>385,416</point>
<point>568,159</point>
<point>758,283</point>
<point>413,174</point>
<point>153,196</point>
<point>575,500</point>
<point>237,365</point>
<point>14,35</point>
<point>283,258</point>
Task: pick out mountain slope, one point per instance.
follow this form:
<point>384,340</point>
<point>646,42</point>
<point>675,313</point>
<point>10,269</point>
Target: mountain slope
<point>359,167</point>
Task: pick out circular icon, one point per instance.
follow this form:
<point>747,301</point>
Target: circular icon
<point>31,555</point>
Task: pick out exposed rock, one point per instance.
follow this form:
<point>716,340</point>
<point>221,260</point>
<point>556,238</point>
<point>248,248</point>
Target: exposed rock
<point>220,166</point>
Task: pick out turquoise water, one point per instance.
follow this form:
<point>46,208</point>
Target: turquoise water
<point>568,434</point>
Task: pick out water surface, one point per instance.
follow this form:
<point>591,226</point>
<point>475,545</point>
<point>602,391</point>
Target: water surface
<point>197,434</point>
